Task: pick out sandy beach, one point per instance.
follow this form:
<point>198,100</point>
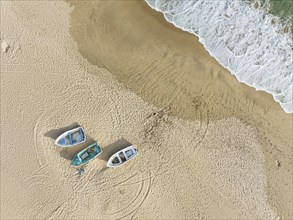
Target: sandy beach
<point>209,146</point>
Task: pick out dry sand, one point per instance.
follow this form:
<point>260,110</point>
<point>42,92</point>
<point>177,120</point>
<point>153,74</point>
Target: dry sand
<point>209,147</point>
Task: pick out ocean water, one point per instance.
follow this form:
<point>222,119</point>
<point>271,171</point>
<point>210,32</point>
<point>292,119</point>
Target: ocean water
<point>251,38</point>
<point>283,9</point>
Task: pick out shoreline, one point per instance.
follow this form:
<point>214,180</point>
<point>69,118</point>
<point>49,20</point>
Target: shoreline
<point>49,85</point>
<point>223,55</point>
<point>255,108</point>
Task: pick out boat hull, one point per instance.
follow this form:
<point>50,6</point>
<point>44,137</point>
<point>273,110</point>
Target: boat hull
<point>121,157</point>
<point>86,155</point>
<point>71,138</point>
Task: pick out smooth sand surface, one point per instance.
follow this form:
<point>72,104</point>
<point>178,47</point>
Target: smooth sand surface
<point>209,147</point>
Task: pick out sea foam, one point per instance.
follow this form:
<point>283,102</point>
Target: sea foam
<point>246,40</point>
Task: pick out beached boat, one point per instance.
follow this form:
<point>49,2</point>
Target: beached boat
<point>70,138</point>
<point>122,156</point>
<point>86,155</point>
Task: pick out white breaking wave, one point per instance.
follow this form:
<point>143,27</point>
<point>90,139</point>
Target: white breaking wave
<point>247,41</point>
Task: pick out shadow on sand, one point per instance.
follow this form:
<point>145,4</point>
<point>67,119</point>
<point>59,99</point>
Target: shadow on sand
<point>54,133</point>
<point>69,152</point>
<point>111,149</point>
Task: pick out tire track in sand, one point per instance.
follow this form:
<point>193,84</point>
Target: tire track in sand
<point>135,203</point>
<point>57,175</point>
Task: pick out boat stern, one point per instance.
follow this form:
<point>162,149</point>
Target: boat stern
<point>76,161</point>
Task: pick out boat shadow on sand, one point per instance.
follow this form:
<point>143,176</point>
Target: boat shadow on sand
<point>69,152</point>
<point>111,149</point>
<point>107,152</point>
<point>55,133</point>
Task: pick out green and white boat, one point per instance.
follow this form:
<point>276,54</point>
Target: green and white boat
<point>86,155</point>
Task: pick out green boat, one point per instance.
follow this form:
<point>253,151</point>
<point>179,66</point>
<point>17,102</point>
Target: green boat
<point>86,155</point>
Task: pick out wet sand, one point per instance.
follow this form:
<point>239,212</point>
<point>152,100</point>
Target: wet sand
<point>209,147</point>
<point>170,69</point>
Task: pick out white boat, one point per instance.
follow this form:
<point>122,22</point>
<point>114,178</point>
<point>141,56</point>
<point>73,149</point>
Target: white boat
<point>122,156</point>
<point>70,138</point>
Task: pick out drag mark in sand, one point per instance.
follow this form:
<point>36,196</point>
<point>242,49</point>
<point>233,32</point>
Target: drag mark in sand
<point>140,198</point>
<point>47,154</point>
<point>202,136</point>
<point>38,146</point>
<point>52,213</point>
<point>116,117</point>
